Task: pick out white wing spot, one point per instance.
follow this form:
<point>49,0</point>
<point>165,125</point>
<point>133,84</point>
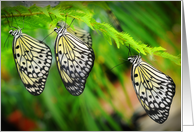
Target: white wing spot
<point>43,71</point>
<point>90,63</point>
<point>170,86</point>
<point>34,74</point>
<point>165,102</point>
<point>30,75</point>
<point>46,68</point>
<point>169,93</point>
<point>87,69</point>
<point>81,74</point>
<point>162,105</point>
<point>40,74</point>
<point>49,61</point>
<point>156,105</point>
<point>151,105</point>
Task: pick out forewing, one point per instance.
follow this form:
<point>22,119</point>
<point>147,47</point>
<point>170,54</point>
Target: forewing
<point>154,89</point>
<point>33,60</point>
<point>75,60</point>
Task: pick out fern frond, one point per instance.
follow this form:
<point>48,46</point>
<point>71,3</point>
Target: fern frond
<point>41,17</point>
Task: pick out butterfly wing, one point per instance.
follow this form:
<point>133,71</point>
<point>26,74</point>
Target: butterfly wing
<point>154,89</point>
<point>81,34</point>
<point>75,60</point>
<point>33,60</point>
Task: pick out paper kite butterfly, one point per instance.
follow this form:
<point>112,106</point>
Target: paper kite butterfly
<point>154,89</point>
<point>74,56</point>
<point>33,60</point>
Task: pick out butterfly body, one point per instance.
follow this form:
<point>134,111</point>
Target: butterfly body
<point>33,60</point>
<point>75,59</point>
<point>154,89</point>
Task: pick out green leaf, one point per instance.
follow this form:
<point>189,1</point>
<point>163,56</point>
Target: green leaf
<point>45,10</point>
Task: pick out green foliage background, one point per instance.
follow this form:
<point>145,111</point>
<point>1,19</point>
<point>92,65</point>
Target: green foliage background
<point>151,28</point>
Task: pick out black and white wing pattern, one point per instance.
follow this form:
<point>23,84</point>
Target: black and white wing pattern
<point>81,34</point>
<point>154,89</point>
<point>75,59</point>
<point>33,60</point>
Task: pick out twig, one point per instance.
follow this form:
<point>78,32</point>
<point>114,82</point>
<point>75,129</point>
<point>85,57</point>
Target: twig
<point>25,14</point>
<point>18,12</point>
<point>29,11</point>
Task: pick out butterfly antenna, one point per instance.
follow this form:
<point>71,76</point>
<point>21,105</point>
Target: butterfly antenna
<point>119,64</point>
<point>47,36</point>
<point>23,22</point>
<point>14,18</point>
<point>51,32</point>
<point>6,39</point>
<point>65,20</point>
<point>139,52</point>
<point>122,59</point>
<point>51,17</point>
<point>128,47</point>
<point>72,22</point>
<point>12,22</point>
<point>9,27</point>
<point>7,21</point>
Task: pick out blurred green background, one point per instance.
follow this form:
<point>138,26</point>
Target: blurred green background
<point>109,101</point>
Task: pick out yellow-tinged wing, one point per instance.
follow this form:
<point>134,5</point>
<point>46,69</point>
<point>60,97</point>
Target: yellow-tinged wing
<point>75,60</point>
<point>154,89</point>
<point>33,60</point>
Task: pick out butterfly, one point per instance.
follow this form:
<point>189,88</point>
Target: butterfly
<point>154,89</point>
<point>33,60</point>
<point>74,57</point>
